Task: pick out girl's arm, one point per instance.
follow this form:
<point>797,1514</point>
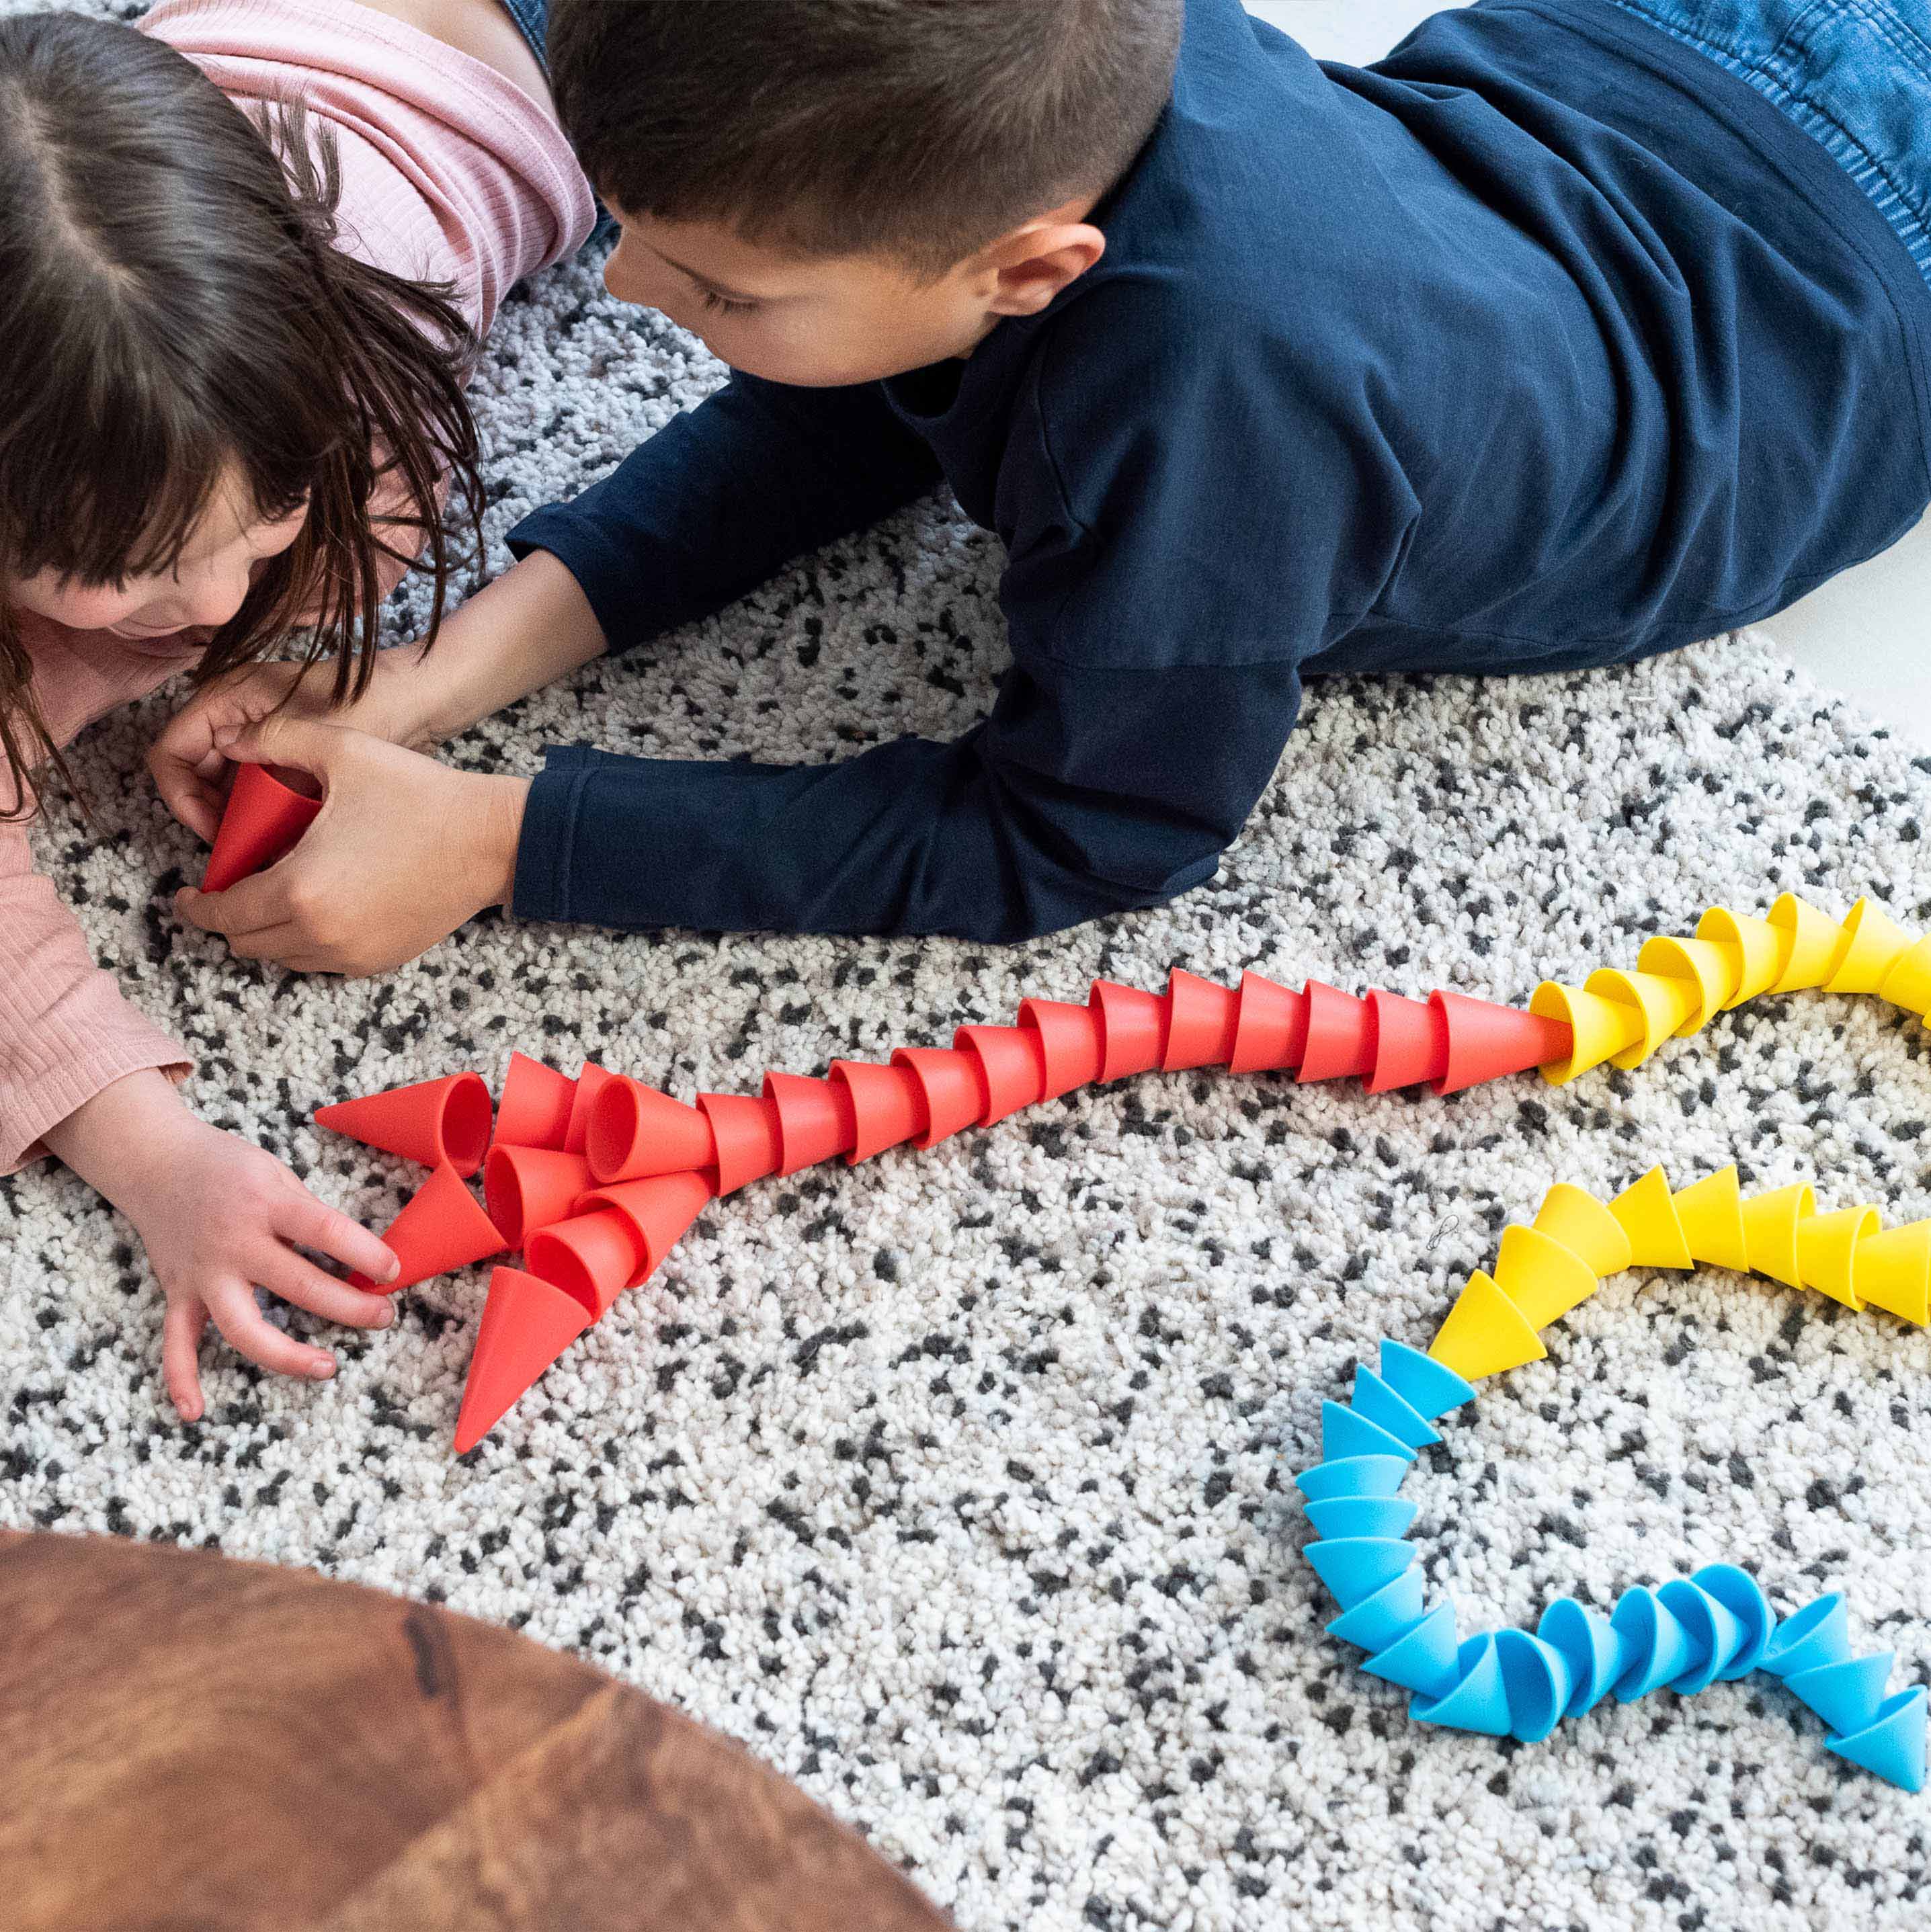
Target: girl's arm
<point>84,1076</point>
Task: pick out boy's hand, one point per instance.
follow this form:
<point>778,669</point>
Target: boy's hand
<point>190,769</point>
<point>403,851</point>
<point>219,1219</point>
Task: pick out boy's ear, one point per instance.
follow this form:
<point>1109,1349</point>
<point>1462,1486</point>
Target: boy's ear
<point>1027,268</point>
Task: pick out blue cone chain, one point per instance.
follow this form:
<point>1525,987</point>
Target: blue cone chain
<point>1683,1636</point>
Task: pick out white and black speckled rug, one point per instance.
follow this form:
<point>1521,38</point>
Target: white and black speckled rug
<point>954,1485</point>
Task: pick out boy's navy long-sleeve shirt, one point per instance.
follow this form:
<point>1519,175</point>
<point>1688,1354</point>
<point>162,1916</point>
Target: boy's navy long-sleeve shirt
<point>1543,343</point>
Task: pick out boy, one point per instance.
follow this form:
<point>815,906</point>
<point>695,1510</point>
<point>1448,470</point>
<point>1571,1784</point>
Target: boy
<point>1558,338</point>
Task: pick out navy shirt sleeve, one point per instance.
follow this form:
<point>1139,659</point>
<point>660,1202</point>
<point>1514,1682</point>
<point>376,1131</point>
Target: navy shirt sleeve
<point>722,498</point>
<point>1158,604</point>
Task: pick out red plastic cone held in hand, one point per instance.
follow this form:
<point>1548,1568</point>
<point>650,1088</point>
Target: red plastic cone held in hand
<point>441,1227</point>
<point>436,1122</point>
<point>527,1323</point>
<point>536,1104</point>
<point>264,821</point>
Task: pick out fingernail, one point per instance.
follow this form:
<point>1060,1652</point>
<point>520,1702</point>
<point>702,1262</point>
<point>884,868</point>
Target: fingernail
<point>386,1319</point>
<point>322,1371</point>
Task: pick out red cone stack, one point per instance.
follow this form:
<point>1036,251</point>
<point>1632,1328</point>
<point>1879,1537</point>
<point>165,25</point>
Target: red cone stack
<point>660,1163</point>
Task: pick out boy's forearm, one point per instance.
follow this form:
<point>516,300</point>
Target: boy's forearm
<point>530,627</point>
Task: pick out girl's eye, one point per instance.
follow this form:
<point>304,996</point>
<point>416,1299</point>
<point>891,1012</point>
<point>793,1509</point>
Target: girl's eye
<point>723,305</point>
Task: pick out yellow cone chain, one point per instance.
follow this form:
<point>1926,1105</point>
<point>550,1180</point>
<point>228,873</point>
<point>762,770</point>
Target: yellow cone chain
<point>1544,1270</point>
<point>1679,985</point>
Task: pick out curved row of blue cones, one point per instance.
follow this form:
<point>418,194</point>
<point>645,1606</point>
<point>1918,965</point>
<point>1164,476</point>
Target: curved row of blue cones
<point>1691,1632</point>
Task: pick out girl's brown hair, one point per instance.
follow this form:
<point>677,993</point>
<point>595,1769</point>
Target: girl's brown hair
<point>174,309</point>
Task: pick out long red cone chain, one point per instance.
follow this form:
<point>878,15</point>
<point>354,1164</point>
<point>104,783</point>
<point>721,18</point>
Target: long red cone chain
<point>662,1161</point>
<point>925,1094</point>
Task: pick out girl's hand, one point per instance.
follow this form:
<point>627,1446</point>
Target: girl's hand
<point>219,1219</point>
<point>403,852</point>
<point>190,769</point>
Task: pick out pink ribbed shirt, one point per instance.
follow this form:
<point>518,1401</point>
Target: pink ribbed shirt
<point>451,173</point>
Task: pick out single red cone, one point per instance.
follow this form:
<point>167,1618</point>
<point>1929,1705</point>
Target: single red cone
<point>262,821</point>
<point>887,1106</point>
<point>436,1122</point>
<point>594,1255</point>
<point>1486,1041</point>
<point>1407,1042</point>
<point>953,1087</point>
<point>1013,1064</point>
<point>527,1323</point>
<point>658,1209</point>
<point>590,1082</point>
<point>1133,1026</point>
<point>527,1188</point>
<point>1272,1032</point>
<point>1201,1023</point>
<point>535,1109</point>
<point>1338,1042</point>
<point>814,1119</point>
<point>1071,1043</point>
<point>635,1131</point>
<point>744,1127</point>
<point>441,1228</point>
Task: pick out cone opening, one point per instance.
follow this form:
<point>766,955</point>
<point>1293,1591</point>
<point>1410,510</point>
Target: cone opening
<point>555,1261</point>
<point>467,1117</point>
<point>615,1120</point>
<point>502,1196</point>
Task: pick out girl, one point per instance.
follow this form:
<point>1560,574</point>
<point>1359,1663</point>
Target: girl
<point>246,251</point>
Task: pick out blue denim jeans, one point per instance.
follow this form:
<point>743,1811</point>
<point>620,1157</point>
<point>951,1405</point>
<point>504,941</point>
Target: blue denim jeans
<point>1854,74</point>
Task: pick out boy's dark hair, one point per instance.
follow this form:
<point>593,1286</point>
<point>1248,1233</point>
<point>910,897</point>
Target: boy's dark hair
<point>173,309</point>
<point>918,129</point>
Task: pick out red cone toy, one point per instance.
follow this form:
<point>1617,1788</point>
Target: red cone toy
<point>262,821</point>
<point>526,1188</point>
<point>527,1323</point>
<point>441,1229</point>
<point>634,1131</point>
<point>537,1100</point>
<point>434,1122</point>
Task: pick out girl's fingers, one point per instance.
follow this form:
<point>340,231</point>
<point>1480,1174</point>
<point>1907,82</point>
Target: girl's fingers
<point>249,1333</point>
<point>304,1284</point>
<point>310,1223</point>
<point>181,1343</point>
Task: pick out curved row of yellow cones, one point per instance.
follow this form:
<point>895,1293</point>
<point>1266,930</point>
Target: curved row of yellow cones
<point>1679,985</point>
<point>1543,1271</point>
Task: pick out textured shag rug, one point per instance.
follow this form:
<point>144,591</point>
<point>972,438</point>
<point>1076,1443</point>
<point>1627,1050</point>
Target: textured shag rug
<point>956,1485</point>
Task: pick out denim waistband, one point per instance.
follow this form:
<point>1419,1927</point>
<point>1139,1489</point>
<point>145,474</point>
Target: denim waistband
<point>1855,75</point>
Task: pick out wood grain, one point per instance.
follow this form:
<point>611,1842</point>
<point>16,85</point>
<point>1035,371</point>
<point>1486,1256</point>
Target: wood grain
<point>187,1742</point>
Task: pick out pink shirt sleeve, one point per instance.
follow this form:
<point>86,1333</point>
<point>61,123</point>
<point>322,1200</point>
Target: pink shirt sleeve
<point>66,1030</point>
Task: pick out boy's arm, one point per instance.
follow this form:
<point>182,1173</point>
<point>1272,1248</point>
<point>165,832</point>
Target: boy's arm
<point>721,499</point>
<point>1085,793</point>
<point>1173,560</point>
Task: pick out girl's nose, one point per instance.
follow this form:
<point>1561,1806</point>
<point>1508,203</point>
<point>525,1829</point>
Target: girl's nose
<point>213,599</point>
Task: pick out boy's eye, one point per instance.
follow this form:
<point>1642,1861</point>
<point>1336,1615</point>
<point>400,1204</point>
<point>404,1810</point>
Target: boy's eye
<point>723,305</point>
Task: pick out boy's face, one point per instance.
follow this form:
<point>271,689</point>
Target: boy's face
<point>819,322</point>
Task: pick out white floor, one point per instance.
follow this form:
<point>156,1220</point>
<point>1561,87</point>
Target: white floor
<point>1866,634</point>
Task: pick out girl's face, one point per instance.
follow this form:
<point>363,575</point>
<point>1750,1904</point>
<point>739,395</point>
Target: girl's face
<point>207,586</point>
